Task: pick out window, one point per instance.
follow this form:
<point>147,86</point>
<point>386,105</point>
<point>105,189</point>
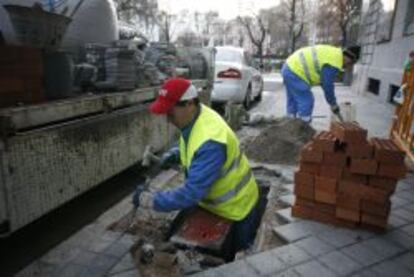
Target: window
<point>386,12</point>
<point>373,86</point>
<point>228,55</point>
<point>409,19</point>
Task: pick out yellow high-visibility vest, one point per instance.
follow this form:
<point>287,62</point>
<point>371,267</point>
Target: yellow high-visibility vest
<point>235,193</point>
<point>307,62</point>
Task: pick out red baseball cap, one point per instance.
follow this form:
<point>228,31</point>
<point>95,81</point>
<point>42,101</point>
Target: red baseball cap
<point>173,91</point>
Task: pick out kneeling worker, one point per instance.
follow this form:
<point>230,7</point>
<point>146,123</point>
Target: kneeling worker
<point>218,176</point>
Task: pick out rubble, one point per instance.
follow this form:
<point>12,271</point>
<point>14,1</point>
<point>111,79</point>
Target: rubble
<point>279,142</point>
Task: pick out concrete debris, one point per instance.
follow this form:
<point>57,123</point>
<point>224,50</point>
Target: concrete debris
<point>279,142</point>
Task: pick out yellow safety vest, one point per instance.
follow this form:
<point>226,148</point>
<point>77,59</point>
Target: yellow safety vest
<point>234,194</point>
<point>307,62</point>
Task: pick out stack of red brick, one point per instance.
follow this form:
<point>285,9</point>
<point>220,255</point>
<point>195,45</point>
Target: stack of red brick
<point>346,180</point>
<point>21,76</point>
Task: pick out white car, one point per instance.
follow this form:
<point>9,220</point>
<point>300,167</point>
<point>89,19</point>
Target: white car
<point>235,78</point>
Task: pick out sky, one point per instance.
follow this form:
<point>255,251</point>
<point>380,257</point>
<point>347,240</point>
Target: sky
<point>227,9</point>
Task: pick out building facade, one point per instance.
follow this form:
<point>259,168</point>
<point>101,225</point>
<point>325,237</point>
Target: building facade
<point>386,37</point>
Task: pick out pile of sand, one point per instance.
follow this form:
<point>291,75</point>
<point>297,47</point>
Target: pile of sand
<point>279,142</point>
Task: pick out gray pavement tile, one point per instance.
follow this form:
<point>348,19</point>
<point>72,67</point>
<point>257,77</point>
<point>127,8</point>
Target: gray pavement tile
<point>286,215</point>
<point>409,207</point>
<point>208,273</point>
<point>38,268</point>
<point>314,269</point>
<point>314,246</point>
<point>337,238</point>
<point>407,195</point>
<point>266,263</point>
<point>362,254</point>
<point>290,188</point>
<point>238,268</point>
<point>103,262</point>
<point>394,221</point>
<point>117,249</point>
<point>398,202</point>
<point>291,254</point>
<point>287,200</point>
<point>401,238</point>
<point>126,263</point>
<point>365,273</point>
<point>407,260</point>
<point>409,229</point>
<point>406,184</point>
<point>384,247</point>
<point>129,273</point>
<point>84,258</point>
<point>61,254</point>
<point>340,263</point>
<point>300,229</point>
<point>404,213</point>
<point>287,273</point>
<point>71,270</point>
<point>391,268</point>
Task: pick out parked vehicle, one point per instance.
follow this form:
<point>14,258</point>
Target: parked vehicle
<point>235,78</point>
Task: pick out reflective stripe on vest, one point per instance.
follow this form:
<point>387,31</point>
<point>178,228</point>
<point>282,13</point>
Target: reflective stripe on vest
<point>305,65</point>
<point>233,165</point>
<point>231,193</point>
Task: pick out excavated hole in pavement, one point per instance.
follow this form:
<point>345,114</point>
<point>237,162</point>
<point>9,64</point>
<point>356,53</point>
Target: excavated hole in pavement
<point>169,259</point>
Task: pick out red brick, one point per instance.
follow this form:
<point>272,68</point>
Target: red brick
<point>304,178</point>
<point>324,217</point>
<point>374,208</point>
<point>386,151</point>
<point>331,171</point>
<point>351,188</point>
<point>376,195</point>
<point>353,177</point>
<point>304,202</point>
<point>392,171</point>
<point>373,220</point>
<point>363,166</point>
<point>310,154</point>
<point>325,208</point>
<point>349,132</point>
<point>346,223</point>
<point>336,158</point>
<point>360,150</point>
<point>383,183</point>
<point>304,191</point>
<point>302,212</point>
<point>351,215</point>
<point>325,184</point>
<point>312,168</point>
<point>325,141</point>
<point>348,202</point>
<point>325,196</point>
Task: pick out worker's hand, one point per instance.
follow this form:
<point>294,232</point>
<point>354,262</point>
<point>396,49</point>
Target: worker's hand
<point>169,158</point>
<point>335,109</point>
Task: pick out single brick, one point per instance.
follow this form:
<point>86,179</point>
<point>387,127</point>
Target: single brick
<point>304,178</point>
<point>311,168</point>
<point>371,207</point>
<point>325,184</point>
<point>325,208</point>
<point>374,220</point>
<point>363,166</point>
<point>304,202</point>
<point>304,191</point>
<point>346,223</point>
<point>349,132</point>
<point>386,151</point>
<point>325,196</point>
<point>383,183</point>
<point>335,158</point>
<point>392,171</point>
<point>310,154</point>
<point>353,177</point>
<point>351,188</point>
<point>376,195</point>
<point>302,212</point>
<point>331,171</point>
<point>325,141</point>
<point>359,150</point>
<point>346,201</point>
<point>323,217</point>
<point>351,215</point>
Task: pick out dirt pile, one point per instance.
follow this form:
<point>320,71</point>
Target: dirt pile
<point>279,142</point>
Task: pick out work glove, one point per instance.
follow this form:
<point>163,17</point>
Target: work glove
<point>337,111</point>
<point>169,158</point>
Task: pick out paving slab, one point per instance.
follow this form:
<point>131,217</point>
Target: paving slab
<point>391,268</point>
<point>401,238</point>
<point>314,269</point>
<point>125,264</point>
<point>337,238</point>
<point>291,254</point>
<point>340,263</point>
<point>266,263</point>
<point>314,246</point>
<point>386,248</point>
<point>406,260</point>
<point>288,200</point>
<point>238,268</point>
<point>286,215</point>
<point>362,254</point>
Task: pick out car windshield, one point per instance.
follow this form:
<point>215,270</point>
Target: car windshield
<point>226,55</point>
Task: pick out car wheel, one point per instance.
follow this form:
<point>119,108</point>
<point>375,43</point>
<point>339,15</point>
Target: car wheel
<point>260,95</point>
<point>248,99</point>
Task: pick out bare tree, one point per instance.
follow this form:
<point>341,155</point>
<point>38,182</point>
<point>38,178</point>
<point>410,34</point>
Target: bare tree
<point>256,31</point>
<point>165,22</point>
<point>295,16</point>
<point>342,13</point>
<point>188,38</point>
<point>128,10</point>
